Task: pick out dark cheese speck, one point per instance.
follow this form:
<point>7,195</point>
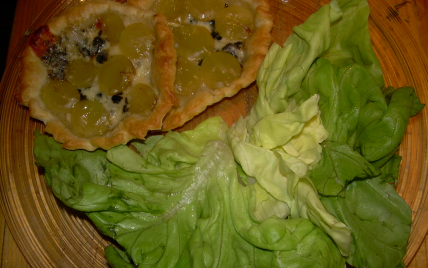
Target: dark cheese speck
<point>82,97</point>
<point>98,44</point>
<point>232,49</point>
<point>117,98</point>
<point>125,107</point>
<point>214,33</point>
<point>101,57</point>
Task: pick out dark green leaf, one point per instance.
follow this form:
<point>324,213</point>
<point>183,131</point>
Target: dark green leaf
<point>379,220</point>
<point>382,138</point>
<point>339,165</point>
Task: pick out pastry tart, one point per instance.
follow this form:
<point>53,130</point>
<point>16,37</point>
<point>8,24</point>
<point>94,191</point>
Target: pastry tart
<point>220,46</point>
<point>100,74</point>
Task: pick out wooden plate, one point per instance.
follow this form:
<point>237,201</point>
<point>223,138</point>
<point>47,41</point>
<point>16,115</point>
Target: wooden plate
<point>52,235</point>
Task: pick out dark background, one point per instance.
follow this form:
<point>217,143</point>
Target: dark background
<point>7,13</point>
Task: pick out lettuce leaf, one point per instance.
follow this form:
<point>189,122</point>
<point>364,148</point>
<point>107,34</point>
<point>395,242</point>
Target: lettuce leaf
<point>379,220</point>
<point>76,170</point>
<point>340,165</point>
<point>382,138</point>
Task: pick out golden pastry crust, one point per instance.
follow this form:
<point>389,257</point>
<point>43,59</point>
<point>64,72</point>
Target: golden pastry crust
<point>34,75</point>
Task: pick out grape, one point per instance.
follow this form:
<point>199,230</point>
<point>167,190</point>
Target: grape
<point>235,23</point>
<point>136,40</point>
<point>188,78</point>
<point>220,69</point>
<point>193,41</point>
<point>59,96</point>
<point>112,26</point>
<point>116,75</point>
<point>89,118</point>
<point>204,10</point>
<point>174,10</point>
<point>141,99</point>
<point>81,73</point>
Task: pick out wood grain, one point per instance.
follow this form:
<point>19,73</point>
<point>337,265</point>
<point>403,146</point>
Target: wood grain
<point>412,16</point>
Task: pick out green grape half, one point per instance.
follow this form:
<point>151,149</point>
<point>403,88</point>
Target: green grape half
<point>219,70</point>
<point>193,41</point>
<point>141,99</point>
<point>136,40</point>
<point>174,10</point>
<point>204,10</point>
<point>112,26</point>
<point>89,118</point>
<point>235,23</point>
<point>188,78</point>
<point>81,73</point>
<point>116,75</point>
<point>59,96</point>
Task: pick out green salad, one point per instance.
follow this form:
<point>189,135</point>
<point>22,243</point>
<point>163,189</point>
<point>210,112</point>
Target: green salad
<point>305,180</point>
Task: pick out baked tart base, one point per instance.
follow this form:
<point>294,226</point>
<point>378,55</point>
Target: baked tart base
<point>159,71</point>
<point>253,49</point>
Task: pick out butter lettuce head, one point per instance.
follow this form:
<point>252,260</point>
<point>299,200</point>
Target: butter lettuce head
<point>329,58</point>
